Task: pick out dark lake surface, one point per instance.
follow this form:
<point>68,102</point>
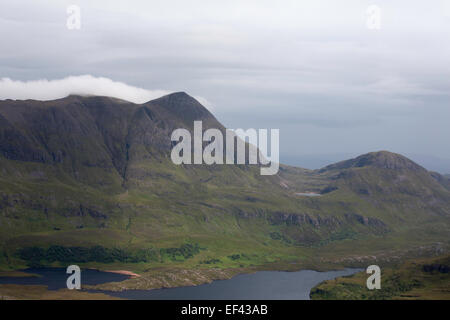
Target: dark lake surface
<point>55,278</point>
<point>263,285</point>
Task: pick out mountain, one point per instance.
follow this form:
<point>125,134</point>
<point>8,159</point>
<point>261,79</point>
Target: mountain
<point>388,175</point>
<point>382,159</point>
<point>89,180</point>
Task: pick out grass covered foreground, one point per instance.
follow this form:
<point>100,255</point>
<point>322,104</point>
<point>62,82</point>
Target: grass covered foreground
<point>420,279</point>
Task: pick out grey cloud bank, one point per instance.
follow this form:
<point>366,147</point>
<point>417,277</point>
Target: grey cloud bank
<point>313,70</point>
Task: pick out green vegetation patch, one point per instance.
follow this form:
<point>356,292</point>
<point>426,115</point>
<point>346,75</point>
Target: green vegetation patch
<point>36,256</point>
<point>211,261</point>
<point>423,279</point>
<point>186,251</point>
<point>281,237</point>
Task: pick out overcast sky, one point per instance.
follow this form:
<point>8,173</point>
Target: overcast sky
<point>314,70</point>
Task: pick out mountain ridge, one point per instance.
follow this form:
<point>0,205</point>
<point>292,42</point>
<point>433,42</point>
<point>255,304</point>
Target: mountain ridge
<point>95,171</point>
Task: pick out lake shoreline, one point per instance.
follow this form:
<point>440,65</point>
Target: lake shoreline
<point>266,285</point>
<point>182,277</point>
<point>142,284</point>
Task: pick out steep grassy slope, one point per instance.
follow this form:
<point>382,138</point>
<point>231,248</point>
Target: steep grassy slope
<point>90,180</point>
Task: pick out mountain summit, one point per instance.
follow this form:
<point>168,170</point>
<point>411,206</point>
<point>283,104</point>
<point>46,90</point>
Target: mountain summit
<point>182,104</point>
<point>380,159</point>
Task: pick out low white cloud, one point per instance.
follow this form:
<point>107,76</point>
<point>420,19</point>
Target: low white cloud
<point>81,85</point>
